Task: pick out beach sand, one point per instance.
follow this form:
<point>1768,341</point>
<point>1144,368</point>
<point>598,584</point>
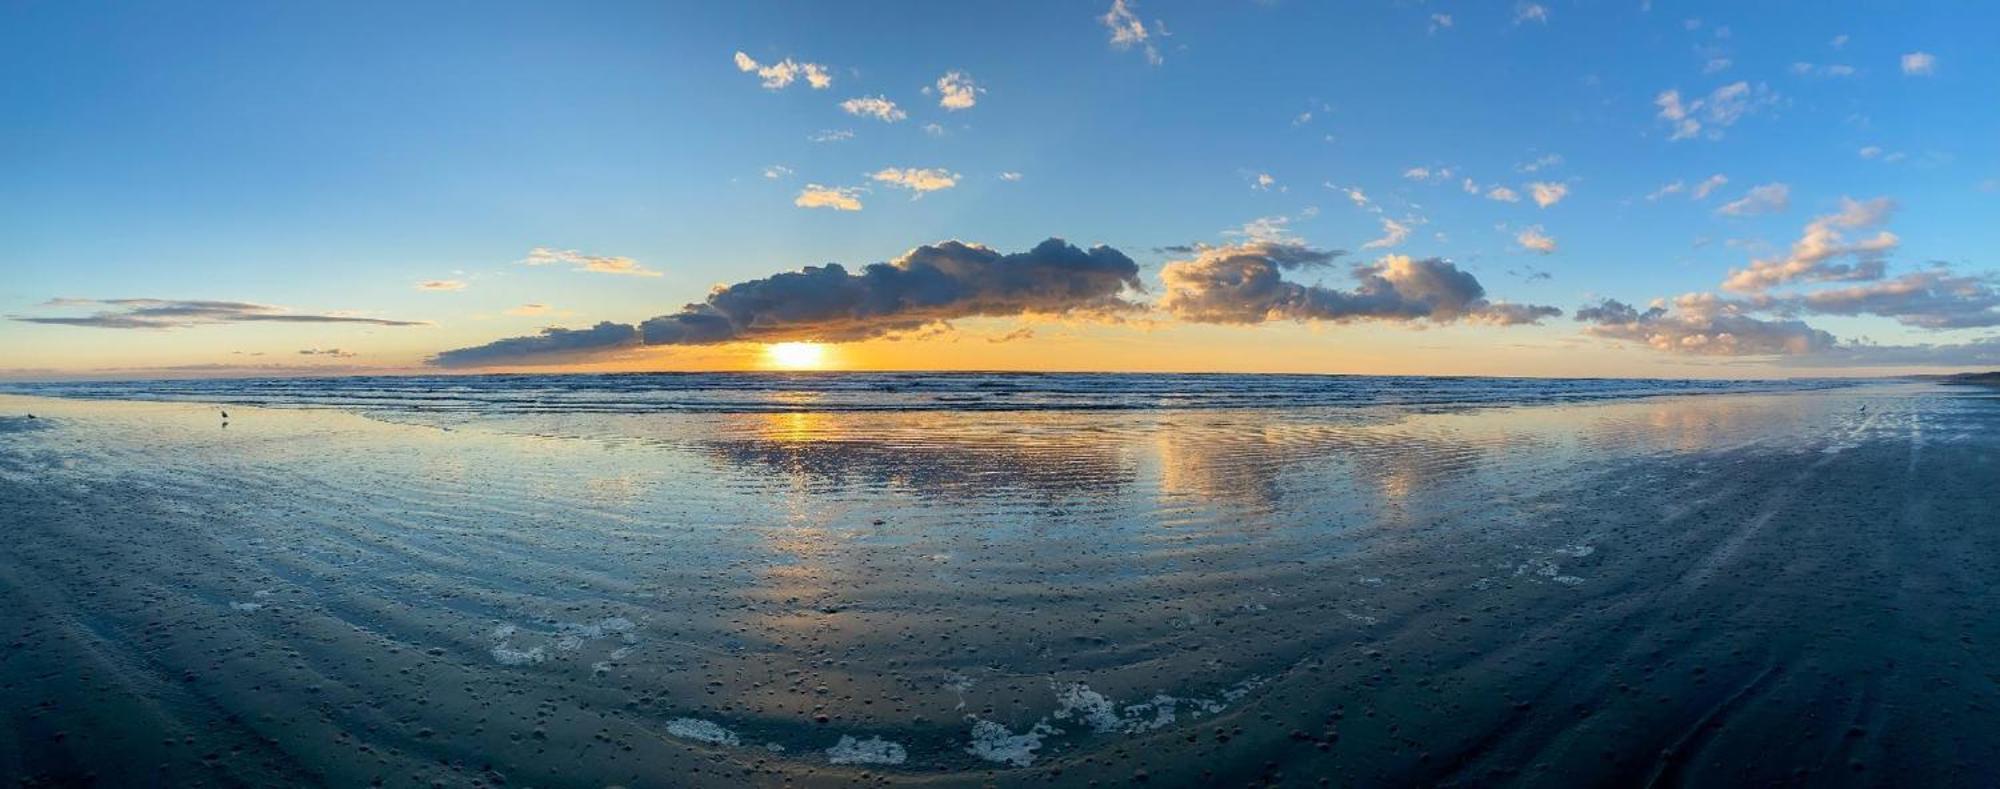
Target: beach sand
<point>1701,590</point>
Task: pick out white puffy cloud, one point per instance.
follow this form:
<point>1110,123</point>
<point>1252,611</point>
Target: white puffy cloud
<point>1547,194</point>
<point>1534,239</point>
<point>1503,194</point>
<point>1245,284</point>
<point>838,198</point>
<point>918,180</point>
<point>777,75</point>
<point>1919,64</point>
<point>956,91</point>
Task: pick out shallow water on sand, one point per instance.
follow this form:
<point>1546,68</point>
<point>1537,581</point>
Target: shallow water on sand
<point>1682,590</point>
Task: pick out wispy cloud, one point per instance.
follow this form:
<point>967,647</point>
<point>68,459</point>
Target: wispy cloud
<point>1721,108</point>
<point>1393,233</point>
<point>441,284</point>
<point>830,135</point>
<point>1760,200</point>
<point>1530,12</point>
<point>600,264</point>
<point>1127,31</point>
<point>173,313</point>
<point>877,107</point>
<point>527,310</point>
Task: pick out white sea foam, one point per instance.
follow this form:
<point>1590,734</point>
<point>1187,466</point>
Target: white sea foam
<point>701,731</point>
<point>873,750</point>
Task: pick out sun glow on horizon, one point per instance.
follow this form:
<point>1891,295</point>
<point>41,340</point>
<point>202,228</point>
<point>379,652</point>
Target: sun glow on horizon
<point>795,356</point>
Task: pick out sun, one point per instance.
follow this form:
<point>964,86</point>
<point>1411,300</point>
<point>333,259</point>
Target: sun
<point>795,355</point>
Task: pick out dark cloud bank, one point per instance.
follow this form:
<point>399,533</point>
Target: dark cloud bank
<point>930,284</point>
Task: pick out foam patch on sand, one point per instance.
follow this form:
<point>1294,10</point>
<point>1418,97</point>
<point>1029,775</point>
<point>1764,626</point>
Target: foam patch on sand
<point>996,743</point>
<point>568,637</point>
<point>873,750</point>
<point>701,731</point>
<point>1077,702</point>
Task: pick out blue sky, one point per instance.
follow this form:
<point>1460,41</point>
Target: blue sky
<point>322,159</point>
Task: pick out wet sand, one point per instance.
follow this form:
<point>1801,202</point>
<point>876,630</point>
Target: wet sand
<point>1703,590</point>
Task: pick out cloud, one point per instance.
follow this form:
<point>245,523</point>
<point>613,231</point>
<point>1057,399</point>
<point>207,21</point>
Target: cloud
<point>1705,188</point>
<point>1721,108</point>
<point>1824,241</point>
<point>173,313</point>
<point>917,180</point>
<point>1440,22</point>
<point>1805,69</point>
<point>529,309</point>
<point>1127,31</point>
<point>1534,240</point>
<point>441,284</point>
<point>874,106</point>
<point>1983,352</point>
<point>1010,176</point>
<point>1393,233</point>
<point>1431,174</point>
<point>1548,194</point>
<point>838,198</point>
<point>1530,12</point>
<point>1543,162</point>
<point>1716,65</point>
<point>1263,182</point>
<point>1919,64</point>
<point>830,135</point>
<point>601,264</point>
<point>1760,200</point>
<point>1245,284</point>
<point>1503,194</point>
<point>1667,189</point>
<point>928,285</point>
<point>333,352</point>
<point>1930,299</point>
<point>1702,324</point>
<point>552,346</point>
<point>956,91</point>
<point>784,72</point>
<point>777,171</point>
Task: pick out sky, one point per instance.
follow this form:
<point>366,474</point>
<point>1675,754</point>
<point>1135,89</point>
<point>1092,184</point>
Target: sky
<point>1550,189</point>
